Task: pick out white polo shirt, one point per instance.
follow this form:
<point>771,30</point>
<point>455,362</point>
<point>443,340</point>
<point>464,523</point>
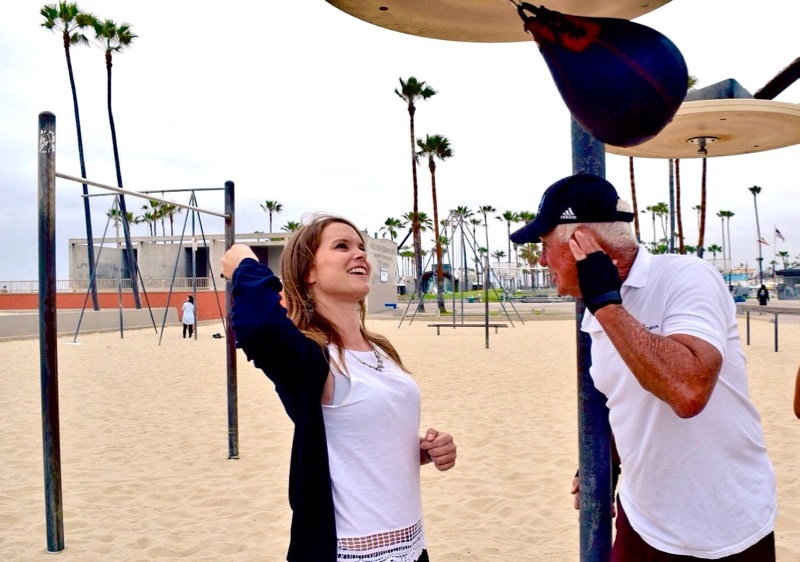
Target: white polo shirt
<point>702,486</point>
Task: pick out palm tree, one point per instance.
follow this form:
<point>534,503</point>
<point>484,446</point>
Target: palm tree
<point>436,147</point>
<point>424,221</point>
<point>113,38</point>
<point>703,207</point>
<point>784,255</point>
<point>406,257</point>
<point>634,201</point>
<point>391,225</point>
<point>150,215</point>
<point>291,226</point>
<point>678,214</point>
<point>651,210</point>
<point>485,210</point>
<point>662,212</point>
<point>755,190</point>
<point>169,210</point>
<point>271,207</point>
<point>509,217</point>
<point>460,215</point>
<point>714,249</point>
<point>410,91</point>
<point>68,19</point>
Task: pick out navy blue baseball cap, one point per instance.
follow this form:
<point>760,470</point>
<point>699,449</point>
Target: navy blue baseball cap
<point>574,199</point>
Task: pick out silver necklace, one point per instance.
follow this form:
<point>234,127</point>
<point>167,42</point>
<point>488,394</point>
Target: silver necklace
<point>378,367</point>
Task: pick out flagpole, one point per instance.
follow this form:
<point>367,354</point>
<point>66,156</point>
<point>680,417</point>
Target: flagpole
<point>774,254</point>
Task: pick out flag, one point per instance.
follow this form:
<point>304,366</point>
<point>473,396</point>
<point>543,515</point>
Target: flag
<point>779,235</point>
<point>763,241</point>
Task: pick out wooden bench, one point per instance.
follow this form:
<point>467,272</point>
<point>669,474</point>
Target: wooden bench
<point>440,325</point>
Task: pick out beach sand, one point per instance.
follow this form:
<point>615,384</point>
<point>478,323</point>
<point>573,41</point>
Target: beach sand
<point>144,445</point>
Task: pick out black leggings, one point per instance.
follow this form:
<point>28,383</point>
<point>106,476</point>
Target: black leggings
<point>189,327</point>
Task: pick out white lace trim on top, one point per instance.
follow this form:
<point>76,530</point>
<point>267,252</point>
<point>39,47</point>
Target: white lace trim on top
<point>403,545</point>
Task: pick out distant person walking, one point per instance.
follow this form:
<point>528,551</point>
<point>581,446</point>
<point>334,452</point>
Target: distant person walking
<point>188,316</point>
<point>762,295</point>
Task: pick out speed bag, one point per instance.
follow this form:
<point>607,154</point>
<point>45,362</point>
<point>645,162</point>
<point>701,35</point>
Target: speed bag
<point>622,81</point>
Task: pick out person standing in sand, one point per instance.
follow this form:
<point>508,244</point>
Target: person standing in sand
<point>762,295</point>
<point>188,319</point>
<point>354,482</point>
<point>697,482</point>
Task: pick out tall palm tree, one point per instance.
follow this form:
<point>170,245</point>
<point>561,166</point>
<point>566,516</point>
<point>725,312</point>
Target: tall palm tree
<point>509,217</point>
<point>150,215</point>
<point>634,201</point>
<point>113,38</point>
<point>461,215</point>
<point>661,210</point>
<point>726,248</point>
<point>271,207</point>
<point>410,92</point>
<point>530,251</point>
<point>485,210</point>
<point>703,208</point>
<point>678,214</point>
<point>169,210</point>
<point>436,147</point>
<point>68,19</point>
<point>755,190</point>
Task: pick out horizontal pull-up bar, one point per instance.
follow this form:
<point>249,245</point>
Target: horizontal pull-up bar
<point>139,194</point>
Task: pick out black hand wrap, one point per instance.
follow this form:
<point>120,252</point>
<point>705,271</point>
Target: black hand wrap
<point>599,281</point>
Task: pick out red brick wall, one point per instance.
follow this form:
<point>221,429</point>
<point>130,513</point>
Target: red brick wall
<point>207,304</point>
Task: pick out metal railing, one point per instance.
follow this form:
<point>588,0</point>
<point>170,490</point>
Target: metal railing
<point>112,285</point>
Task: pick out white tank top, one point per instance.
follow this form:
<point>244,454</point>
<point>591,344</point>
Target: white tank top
<point>373,448</point>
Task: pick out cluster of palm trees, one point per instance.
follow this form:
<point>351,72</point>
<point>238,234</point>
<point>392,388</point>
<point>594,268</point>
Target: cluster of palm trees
<point>464,218</point>
<point>433,147</point>
<point>153,213</point>
<point>71,22</point>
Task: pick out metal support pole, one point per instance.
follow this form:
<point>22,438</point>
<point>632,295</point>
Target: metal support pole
<point>747,313</point>
<point>230,341</point>
<point>48,333</point>
<point>776,331</point>
<point>594,433</point>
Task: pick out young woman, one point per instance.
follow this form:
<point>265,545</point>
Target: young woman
<point>354,482</point>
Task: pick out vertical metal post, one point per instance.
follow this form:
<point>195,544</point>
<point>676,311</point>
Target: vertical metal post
<point>747,314</point>
<point>776,331</point>
<point>48,332</point>
<point>594,433</point>
<point>230,341</point>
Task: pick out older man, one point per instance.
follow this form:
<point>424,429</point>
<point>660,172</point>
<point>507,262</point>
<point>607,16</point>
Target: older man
<point>697,482</point>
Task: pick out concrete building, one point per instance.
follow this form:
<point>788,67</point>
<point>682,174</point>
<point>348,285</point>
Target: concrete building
<point>173,262</point>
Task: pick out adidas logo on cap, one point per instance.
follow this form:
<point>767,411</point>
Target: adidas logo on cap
<point>568,214</point>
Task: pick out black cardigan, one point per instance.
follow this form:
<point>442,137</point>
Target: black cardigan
<point>299,367</point>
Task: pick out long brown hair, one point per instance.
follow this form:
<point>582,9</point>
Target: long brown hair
<point>296,262</point>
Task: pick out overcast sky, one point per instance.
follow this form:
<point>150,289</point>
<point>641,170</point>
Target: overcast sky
<point>294,102</point>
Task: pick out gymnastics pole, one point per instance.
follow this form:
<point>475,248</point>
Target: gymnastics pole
<point>594,433</point>
<point>48,333</point>
<point>230,339</point>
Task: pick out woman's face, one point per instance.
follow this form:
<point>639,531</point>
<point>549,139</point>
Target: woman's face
<point>340,269</point>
